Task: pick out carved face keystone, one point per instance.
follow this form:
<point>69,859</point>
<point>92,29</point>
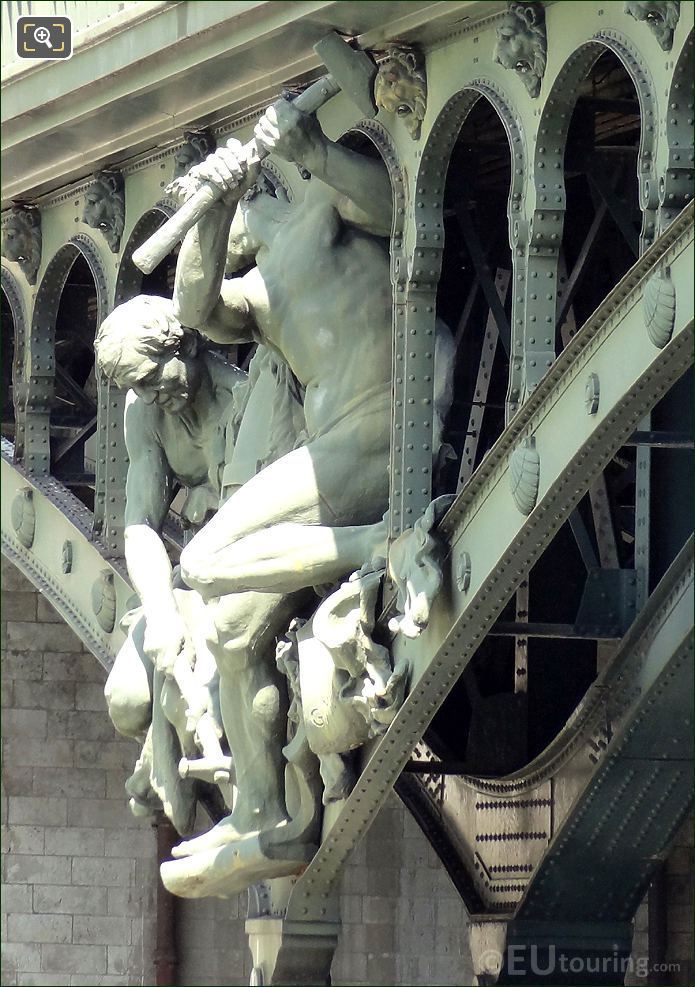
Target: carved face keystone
<point>104,209</point>
<point>21,241</point>
<point>521,45</point>
<point>401,88</point>
<point>660,17</point>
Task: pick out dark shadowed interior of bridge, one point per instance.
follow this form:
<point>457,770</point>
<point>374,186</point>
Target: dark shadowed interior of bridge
<point>6,360</point>
<point>519,691</point>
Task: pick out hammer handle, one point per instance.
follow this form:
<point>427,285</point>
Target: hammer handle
<point>163,241</point>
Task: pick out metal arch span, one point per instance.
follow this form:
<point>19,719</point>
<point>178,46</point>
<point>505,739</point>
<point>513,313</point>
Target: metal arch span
<point>640,787</point>
<point>563,790</point>
<point>634,371</point>
<point>635,374</point>
<point>63,560</point>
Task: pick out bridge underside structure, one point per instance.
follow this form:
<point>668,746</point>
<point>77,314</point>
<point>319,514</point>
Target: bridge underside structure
<point>545,746</point>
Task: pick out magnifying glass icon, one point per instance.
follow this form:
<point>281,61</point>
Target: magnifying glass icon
<point>43,36</point>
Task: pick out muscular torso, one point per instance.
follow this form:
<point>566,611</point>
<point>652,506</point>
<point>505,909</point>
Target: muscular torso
<point>192,451</point>
<point>192,445</point>
<point>321,296</point>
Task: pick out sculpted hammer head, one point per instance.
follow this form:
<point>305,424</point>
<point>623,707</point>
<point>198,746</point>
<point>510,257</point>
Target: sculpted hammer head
<point>141,345</point>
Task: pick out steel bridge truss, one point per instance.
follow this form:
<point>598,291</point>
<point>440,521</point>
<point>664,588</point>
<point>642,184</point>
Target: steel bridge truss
<point>578,830</point>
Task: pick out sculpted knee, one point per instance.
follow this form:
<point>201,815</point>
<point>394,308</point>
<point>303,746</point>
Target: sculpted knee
<point>192,565</point>
<point>130,713</point>
<point>232,650</point>
<point>230,638</point>
<point>266,706</point>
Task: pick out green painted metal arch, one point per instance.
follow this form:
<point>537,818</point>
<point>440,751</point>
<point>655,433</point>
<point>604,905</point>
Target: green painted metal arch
<point>13,293</point>
<point>39,364</point>
<point>676,164</point>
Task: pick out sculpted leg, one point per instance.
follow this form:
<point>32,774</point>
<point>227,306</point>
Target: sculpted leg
<point>253,702</point>
<point>293,524</point>
<point>290,556</point>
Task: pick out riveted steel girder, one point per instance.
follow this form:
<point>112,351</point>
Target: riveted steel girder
<point>635,374</point>
<point>63,560</point>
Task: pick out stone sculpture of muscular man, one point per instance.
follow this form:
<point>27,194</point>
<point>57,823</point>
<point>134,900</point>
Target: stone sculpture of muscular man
<point>319,295</point>
<point>181,428</point>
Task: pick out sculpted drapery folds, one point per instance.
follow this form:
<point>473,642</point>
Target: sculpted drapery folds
<point>318,295</point>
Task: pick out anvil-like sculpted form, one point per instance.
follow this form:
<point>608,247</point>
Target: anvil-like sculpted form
<point>318,294</point>
<point>21,240</point>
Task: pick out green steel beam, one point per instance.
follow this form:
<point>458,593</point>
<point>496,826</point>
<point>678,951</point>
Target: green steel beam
<point>62,559</point>
<point>634,374</point>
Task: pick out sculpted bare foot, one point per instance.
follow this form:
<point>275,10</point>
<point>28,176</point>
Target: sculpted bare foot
<point>221,835</point>
<point>227,870</point>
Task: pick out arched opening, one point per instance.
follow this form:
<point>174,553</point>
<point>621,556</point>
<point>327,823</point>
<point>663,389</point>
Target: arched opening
<point>600,242</point>
<point>7,361</point>
<point>130,280</point>
<point>12,360</point>
<point>473,296</point>
<point>593,125</point>
<point>70,302</point>
<point>600,239</point>
<point>75,326</point>
<point>74,406</point>
<point>482,722</point>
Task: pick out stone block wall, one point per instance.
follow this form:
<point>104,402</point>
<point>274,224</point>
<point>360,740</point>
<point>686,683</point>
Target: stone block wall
<point>402,920</point>
<point>679,909</point>
<point>78,870</point>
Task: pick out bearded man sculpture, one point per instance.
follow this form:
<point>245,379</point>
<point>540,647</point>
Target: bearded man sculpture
<point>401,87</point>
<point>104,207</point>
<point>21,240</point>
<point>522,45</point>
<point>661,17</point>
